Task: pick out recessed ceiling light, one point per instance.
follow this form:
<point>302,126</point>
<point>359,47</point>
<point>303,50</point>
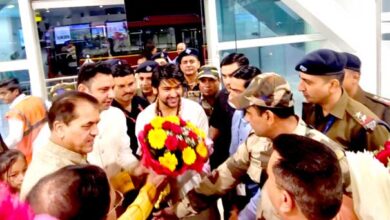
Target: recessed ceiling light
<point>100,6</point>
<point>10,6</point>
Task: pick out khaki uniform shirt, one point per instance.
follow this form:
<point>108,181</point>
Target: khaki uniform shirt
<point>349,123</point>
<point>251,158</point>
<point>380,106</point>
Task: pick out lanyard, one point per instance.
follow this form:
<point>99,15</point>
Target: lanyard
<point>329,124</point>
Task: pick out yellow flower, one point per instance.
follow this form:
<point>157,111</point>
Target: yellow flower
<point>157,122</point>
<point>157,138</point>
<point>189,156</point>
<point>173,119</point>
<point>200,133</point>
<point>190,126</point>
<point>169,161</point>
<point>201,149</point>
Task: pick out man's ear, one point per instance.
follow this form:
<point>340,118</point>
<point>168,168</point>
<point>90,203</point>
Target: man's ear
<point>287,202</point>
<point>59,128</point>
<point>82,88</point>
<point>269,116</point>
<point>356,76</point>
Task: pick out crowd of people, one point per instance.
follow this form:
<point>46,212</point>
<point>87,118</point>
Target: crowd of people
<point>80,158</point>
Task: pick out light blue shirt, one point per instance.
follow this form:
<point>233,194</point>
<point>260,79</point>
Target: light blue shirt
<point>240,130</point>
<point>249,212</point>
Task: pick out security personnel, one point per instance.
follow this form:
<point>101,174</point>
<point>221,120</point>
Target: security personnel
<point>269,107</point>
<point>189,63</point>
<point>161,58</point>
<point>379,105</point>
<point>145,72</point>
<point>330,109</point>
<point>208,78</point>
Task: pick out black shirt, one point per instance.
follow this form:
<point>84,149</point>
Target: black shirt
<point>221,119</point>
<point>137,105</point>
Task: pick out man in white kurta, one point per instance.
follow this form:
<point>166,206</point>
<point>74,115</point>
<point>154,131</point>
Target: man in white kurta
<point>111,148</point>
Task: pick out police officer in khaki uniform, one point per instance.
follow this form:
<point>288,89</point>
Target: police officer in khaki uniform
<point>145,72</point>
<point>189,63</point>
<point>330,109</point>
<point>379,105</point>
<point>270,111</point>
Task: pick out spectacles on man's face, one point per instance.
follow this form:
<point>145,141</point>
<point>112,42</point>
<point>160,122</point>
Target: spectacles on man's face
<point>118,201</point>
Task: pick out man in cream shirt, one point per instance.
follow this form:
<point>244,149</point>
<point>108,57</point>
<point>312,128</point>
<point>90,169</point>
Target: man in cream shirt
<point>73,120</point>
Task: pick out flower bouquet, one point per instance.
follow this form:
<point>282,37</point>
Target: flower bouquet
<point>171,146</point>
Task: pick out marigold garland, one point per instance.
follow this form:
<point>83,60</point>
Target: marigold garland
<point>172,146</point>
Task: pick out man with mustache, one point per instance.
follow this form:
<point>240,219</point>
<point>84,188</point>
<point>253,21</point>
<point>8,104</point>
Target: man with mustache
<point>209,87</point>
<point>72,119</point>
<point>111,146</point>
<point>126,98</point>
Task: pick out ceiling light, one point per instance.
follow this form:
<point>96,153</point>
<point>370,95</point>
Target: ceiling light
<point>10,6</point>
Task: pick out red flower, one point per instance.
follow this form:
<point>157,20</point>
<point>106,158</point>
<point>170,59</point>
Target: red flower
<point>182,122</point>
<point>182,144</point>
<point>192,135</point>
<point>172,127</point>
<point>171,143</point>
<point>384,155</point>
<point>147,128</point>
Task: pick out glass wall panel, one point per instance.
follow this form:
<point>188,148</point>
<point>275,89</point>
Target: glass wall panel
<point>24,81</point>
<point>280,59</point>
<point>11,37</point>
<point>251,19</point>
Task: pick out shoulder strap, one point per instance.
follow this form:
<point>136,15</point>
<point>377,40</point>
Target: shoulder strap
<point>378,99</point>
<point>364,120</point>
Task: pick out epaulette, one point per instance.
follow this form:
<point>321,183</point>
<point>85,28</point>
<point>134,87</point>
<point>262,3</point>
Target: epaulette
<point>379,99</point>
<point>366,121</point>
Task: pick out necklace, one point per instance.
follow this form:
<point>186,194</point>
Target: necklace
<point>160,113</point>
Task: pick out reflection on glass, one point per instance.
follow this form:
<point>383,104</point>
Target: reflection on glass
<point>243,19</point>
<point>71,36</point>
<point>11,37</point>
<point>24,81</point>
<point>282,60</point>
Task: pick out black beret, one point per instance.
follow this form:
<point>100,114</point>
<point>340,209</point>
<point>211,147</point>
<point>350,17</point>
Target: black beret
<point>146,66</point>
<point>323,62</point>
<point>353,62</point>
<point>188,52</point>
<point>160,55</point>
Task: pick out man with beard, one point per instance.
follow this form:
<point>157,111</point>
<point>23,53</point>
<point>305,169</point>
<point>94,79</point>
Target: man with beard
<point>111,147</point>
<point>168,81</point>
<point>125,98</point>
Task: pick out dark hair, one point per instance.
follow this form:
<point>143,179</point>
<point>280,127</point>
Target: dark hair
<point>7,159</point>
<point>238,58</point>
<point>3,146</point>
<point>90,70</point>
<point>169,71</point>
<point>11,84</point>
<point>72,192</point>
<point>246,73</point>
<point>280,112</point>
<point>310,172</point>
<point>63,107</point>
<point>121,69</point>
<point>338,77</point>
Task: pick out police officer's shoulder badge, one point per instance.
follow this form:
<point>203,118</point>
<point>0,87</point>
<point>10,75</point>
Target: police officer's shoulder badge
<point>381,100</point>
<point>367,122</point>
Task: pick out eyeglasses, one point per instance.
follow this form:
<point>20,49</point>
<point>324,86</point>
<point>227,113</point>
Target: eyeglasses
<point>118,200</point>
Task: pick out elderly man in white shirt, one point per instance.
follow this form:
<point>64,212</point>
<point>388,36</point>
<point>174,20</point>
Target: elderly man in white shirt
<point>111,149</point>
